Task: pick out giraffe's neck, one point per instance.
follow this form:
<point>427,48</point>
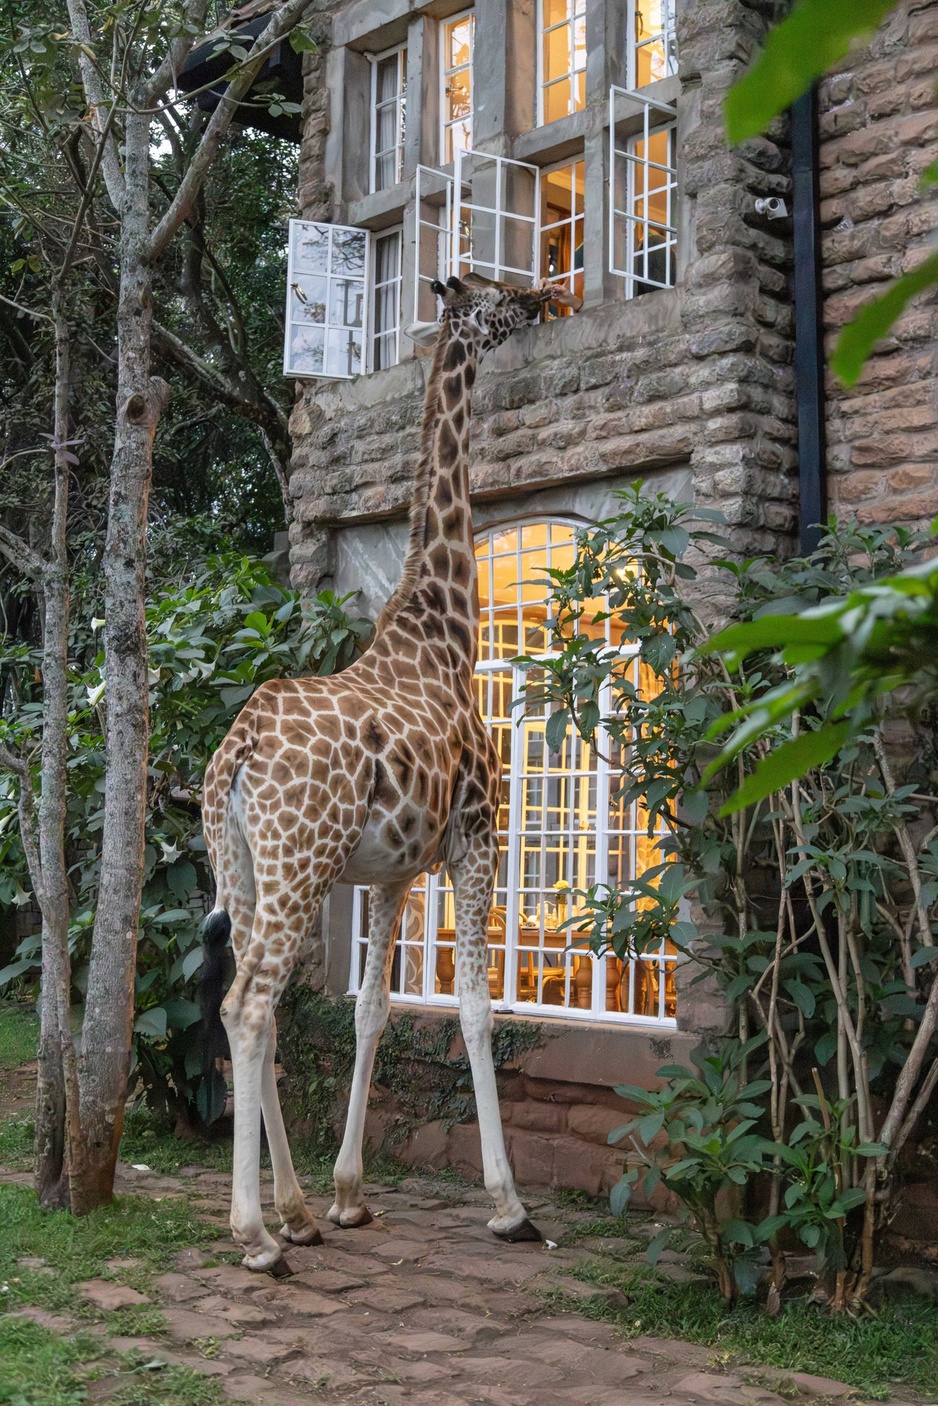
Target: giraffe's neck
<point>438,581</point>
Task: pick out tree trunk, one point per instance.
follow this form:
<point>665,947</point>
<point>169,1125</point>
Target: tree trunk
<point>57,1086</point>
<point>106,1036</point>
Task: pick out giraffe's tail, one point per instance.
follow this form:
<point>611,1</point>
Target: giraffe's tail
<point>216,935</point>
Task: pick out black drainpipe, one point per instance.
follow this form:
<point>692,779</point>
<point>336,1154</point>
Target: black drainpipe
<point>809,333</point>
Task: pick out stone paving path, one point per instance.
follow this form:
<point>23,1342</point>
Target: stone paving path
<point>421,1308</point>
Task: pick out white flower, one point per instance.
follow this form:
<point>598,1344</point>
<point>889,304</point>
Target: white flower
<point>95,694</point>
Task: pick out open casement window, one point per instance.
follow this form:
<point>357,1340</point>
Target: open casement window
<point>561,229</point>
<point>643,192</point>
<point>433,237</point>
<point>385,320</point>
<point>326,300</point>
<point>458,40</point>
<point>562,825</point>
<point>561,85</point>
<point>652,47</point>
<point>388,116</point>
<point>496,214</point>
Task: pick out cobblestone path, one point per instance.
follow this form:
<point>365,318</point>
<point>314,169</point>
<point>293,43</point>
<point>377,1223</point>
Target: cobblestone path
<point>421,1308</point>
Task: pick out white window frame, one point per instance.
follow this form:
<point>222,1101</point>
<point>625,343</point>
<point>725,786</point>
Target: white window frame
<point>445,73</point>
<point>433,886</point>
<point>294,273</point>
<point>464,262</point>
<point>372,289</point>
<point>667,34</point>
<point>434,188</point>
<point>398,101</point>
<point>667,122</point>
<point>542,84</point>
<point>564,279</point>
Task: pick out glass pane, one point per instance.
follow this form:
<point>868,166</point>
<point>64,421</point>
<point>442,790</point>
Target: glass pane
<point>308,300</point>
<point>306,350</point>
<point>458,95</point>
<point>387,84</point>
<point>557,101</point>
<point>310,248</point>
<point>348,251</point>
<point>459,42</point>
<point>343,354</point>
<point>558,53</point>
<point>554,11</point>
<point>346,301</point>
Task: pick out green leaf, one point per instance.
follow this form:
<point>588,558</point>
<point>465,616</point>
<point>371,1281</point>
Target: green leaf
<point>814,37</point>
<point>152,1023</point>
<point>620,1195</point>
<point>695,806</point>
<point>788,762</point>
<point>874,320</point>
<point>301,43</point>
<point>556,729</point>
<point>802,996</point>
<point>921,958</point>
<point>658,1244</point>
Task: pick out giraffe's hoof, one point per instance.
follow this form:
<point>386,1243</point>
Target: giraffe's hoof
<point>350,1220</point>
<point>268,1262</point>
<point>305,1234</point>
<point>522,1230</point>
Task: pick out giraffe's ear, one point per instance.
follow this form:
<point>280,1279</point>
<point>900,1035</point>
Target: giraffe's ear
<point>424,334</point>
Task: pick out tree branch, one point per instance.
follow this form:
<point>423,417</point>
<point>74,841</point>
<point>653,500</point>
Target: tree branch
<point>26,804</point>
<point>282,22</point>
<point>19,554</point>
<point>94,95</point>
<point>165,76</point>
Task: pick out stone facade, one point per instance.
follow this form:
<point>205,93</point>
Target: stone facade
<point>879,127</point>
<point>689,387</point>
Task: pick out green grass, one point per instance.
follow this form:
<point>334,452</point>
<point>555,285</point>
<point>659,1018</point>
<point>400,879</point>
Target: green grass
<point>898,1346</point>
<point>135,1227</point>
<point>16,1143</point>
<point>42,1368</point>
<point>19,1034</point>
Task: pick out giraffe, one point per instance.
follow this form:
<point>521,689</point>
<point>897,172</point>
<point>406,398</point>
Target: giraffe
<point>371,776</point>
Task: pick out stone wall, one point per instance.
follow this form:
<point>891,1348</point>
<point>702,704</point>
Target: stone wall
<point>879,126</point>
<point>698,375</point>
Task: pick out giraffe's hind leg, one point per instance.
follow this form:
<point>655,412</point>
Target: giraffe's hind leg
<point>299,1224</point>
<point>473,880</point>
<point>386,904</point>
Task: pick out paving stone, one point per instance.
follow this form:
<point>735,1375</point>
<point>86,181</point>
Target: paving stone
<point>809,1385</point>
<point>244,1314</point>
<point>56,1322</point>
<point>385,1299</point>
<point>178,1288</point>
<point>184,1326</point>
<point>260,1348</point>
<point>231,1278</point>
<point>323,1373</point>
<point>454,1320</point>
<point>501,1371</point>
<point>107,1295</point>
<point>402,1251</point>
<point>727,1391</point>
<point>586,1331</point>
<point>328,1281</point>
<point>425,1342</point>
<point>304,1302</point>
<point>420,1371</point>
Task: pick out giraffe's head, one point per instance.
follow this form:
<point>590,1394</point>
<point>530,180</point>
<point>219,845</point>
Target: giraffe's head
<point>483,313</point>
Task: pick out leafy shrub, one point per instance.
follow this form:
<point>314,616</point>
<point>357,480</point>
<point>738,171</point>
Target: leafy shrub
<point>216,630</point>
<point>814,908</point>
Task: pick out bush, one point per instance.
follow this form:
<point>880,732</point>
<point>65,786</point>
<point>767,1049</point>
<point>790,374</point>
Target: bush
<point>816,906</point>
<point>217,626</point>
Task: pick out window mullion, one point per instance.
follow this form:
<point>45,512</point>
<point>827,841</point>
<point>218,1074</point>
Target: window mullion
<point>513,867</point>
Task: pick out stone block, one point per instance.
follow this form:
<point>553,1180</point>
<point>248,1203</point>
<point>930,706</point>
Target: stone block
<point>105,1294</point>
<point>531,1157</point>
<point>595,1123</point>
<point>536,1116</point>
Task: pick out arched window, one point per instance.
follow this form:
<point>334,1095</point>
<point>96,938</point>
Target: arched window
<point>561,828</point>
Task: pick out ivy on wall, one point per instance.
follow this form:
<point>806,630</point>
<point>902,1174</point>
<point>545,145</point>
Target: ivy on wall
<point>416,1061</point>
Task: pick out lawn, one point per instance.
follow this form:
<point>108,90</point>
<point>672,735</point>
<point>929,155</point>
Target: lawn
<point>19,1034</point>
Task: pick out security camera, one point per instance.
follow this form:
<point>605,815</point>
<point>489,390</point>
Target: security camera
<point>773,206</point>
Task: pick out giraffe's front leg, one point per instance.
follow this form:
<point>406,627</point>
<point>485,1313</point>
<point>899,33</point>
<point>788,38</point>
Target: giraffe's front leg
<point>385,906</point>
<point>473,881</point>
